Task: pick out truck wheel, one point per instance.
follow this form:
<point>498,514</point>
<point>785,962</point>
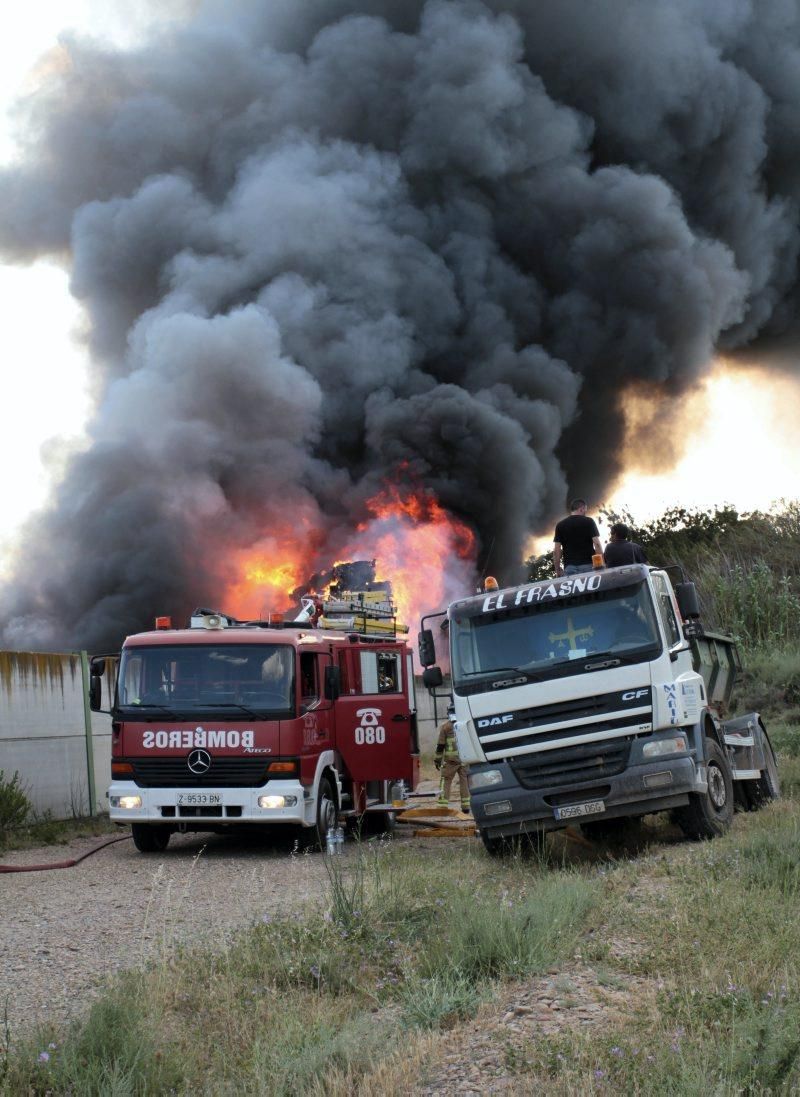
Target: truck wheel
<point>768,786</point>
<point>528,844</point>
<point>149,838</point>
<point>708,814</point>
<point>326,811</point>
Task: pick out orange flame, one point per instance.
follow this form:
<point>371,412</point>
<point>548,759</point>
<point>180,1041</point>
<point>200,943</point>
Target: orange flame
<point>426,554</point>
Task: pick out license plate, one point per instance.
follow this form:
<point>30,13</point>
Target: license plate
<point>593,807</point>
<point>199,799</point>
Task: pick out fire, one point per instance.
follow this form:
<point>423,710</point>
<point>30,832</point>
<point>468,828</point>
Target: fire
<point>264,587</point>
<point>426,554</point>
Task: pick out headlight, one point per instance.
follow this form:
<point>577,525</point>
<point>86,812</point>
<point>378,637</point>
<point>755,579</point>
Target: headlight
<point>126,802</point>
<point>674,745</point>
<point>484,778</point>
<point>277,801</point>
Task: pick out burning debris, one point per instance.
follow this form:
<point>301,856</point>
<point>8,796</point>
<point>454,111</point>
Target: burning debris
<point>352,599</point>
<point>370,279</point>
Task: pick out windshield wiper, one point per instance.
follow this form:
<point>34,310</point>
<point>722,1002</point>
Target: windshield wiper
<point>523,673</point>
<point>491,670</point>
<point>138,707</point>
<point>228,704</point>
<point>628,655</point>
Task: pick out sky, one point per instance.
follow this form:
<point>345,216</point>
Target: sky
<point>45,395</point>
<point>740,439</point>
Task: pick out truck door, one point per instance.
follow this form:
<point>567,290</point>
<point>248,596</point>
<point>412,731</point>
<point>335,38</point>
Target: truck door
<point>316,713</point>
<point>373,727</point>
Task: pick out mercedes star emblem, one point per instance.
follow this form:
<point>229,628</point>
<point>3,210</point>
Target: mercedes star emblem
<point>199,761</point>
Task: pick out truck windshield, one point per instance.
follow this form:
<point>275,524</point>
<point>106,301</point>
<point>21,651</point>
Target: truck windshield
<point>563,637</point>
<point>185,680</point>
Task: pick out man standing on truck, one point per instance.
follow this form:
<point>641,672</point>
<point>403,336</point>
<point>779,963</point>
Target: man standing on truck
<point>621,550</point>
<point>575,540</point>
<point>448,762</point>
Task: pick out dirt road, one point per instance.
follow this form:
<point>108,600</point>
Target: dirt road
<point>63,932</point>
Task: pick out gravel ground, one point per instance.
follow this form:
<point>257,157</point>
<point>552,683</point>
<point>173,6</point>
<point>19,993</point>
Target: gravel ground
<point>474,1059</point>
<point>63,932</point>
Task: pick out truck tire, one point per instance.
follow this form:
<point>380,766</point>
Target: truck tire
<point>150,838</point>
<point>709,814</point>
<point>768,786</point>
<point>528,844</point>
<point>375,822</point>
<point>326,812</point>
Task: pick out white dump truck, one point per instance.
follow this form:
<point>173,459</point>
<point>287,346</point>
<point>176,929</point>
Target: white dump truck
<point>597,698</point>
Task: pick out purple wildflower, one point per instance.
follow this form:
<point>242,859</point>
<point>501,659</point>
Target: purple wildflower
<point>44,1056</point>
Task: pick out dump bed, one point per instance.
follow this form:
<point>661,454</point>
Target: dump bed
<point>716,660</point>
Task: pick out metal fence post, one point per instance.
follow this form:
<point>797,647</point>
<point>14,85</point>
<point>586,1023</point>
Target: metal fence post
<point>87,722</point>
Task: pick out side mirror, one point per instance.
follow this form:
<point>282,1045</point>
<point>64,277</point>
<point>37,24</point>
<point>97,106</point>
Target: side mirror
<point>97,666</point>
<point>95,692</point>
<point>688,604</point>
<point>333,683</point>
<point>427,650</point>
<point>432,677</point>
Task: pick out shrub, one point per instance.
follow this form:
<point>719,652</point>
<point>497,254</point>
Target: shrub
<point>14,804</point>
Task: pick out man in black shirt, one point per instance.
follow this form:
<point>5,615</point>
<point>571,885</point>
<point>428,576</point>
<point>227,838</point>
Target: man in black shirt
<point>575,540</point>
<point>621,550</point>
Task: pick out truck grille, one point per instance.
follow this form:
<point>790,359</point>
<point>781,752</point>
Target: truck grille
<point>540,730</point>
<point>577,764</point>
<point>224,773</point>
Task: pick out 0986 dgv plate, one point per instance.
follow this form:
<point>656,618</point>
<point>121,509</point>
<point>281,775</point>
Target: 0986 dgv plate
<point>591,807</point>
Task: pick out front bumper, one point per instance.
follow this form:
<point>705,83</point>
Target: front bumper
<point>639,790</point>
<point>214,806</point>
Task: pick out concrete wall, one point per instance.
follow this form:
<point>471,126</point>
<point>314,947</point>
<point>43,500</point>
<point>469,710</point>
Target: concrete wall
<point>43,732</point>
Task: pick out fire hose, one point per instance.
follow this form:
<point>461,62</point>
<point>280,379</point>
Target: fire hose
<point>64,864</point>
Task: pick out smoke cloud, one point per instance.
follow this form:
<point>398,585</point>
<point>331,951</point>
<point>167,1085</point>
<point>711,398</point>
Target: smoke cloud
<point>321,242</point>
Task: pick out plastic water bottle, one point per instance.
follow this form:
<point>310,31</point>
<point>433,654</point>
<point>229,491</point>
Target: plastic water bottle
<point>330,842</point>
<point>339,840</point>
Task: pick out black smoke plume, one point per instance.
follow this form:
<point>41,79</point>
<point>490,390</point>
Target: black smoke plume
<point>319,241</point>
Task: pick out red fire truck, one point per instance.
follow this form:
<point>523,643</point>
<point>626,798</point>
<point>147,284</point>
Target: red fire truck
<point>228,723</point>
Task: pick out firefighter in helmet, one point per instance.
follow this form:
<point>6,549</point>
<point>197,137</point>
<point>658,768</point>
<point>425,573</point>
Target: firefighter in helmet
<point>449,764</point>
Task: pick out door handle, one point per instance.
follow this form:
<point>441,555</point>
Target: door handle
<point>399,717</point>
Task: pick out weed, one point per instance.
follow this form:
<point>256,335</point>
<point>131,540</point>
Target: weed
<point>14,804</point>
<point>115,1050</point>
<point>483,938</point>
<point>42,829</point>
<point>439,1000</point>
